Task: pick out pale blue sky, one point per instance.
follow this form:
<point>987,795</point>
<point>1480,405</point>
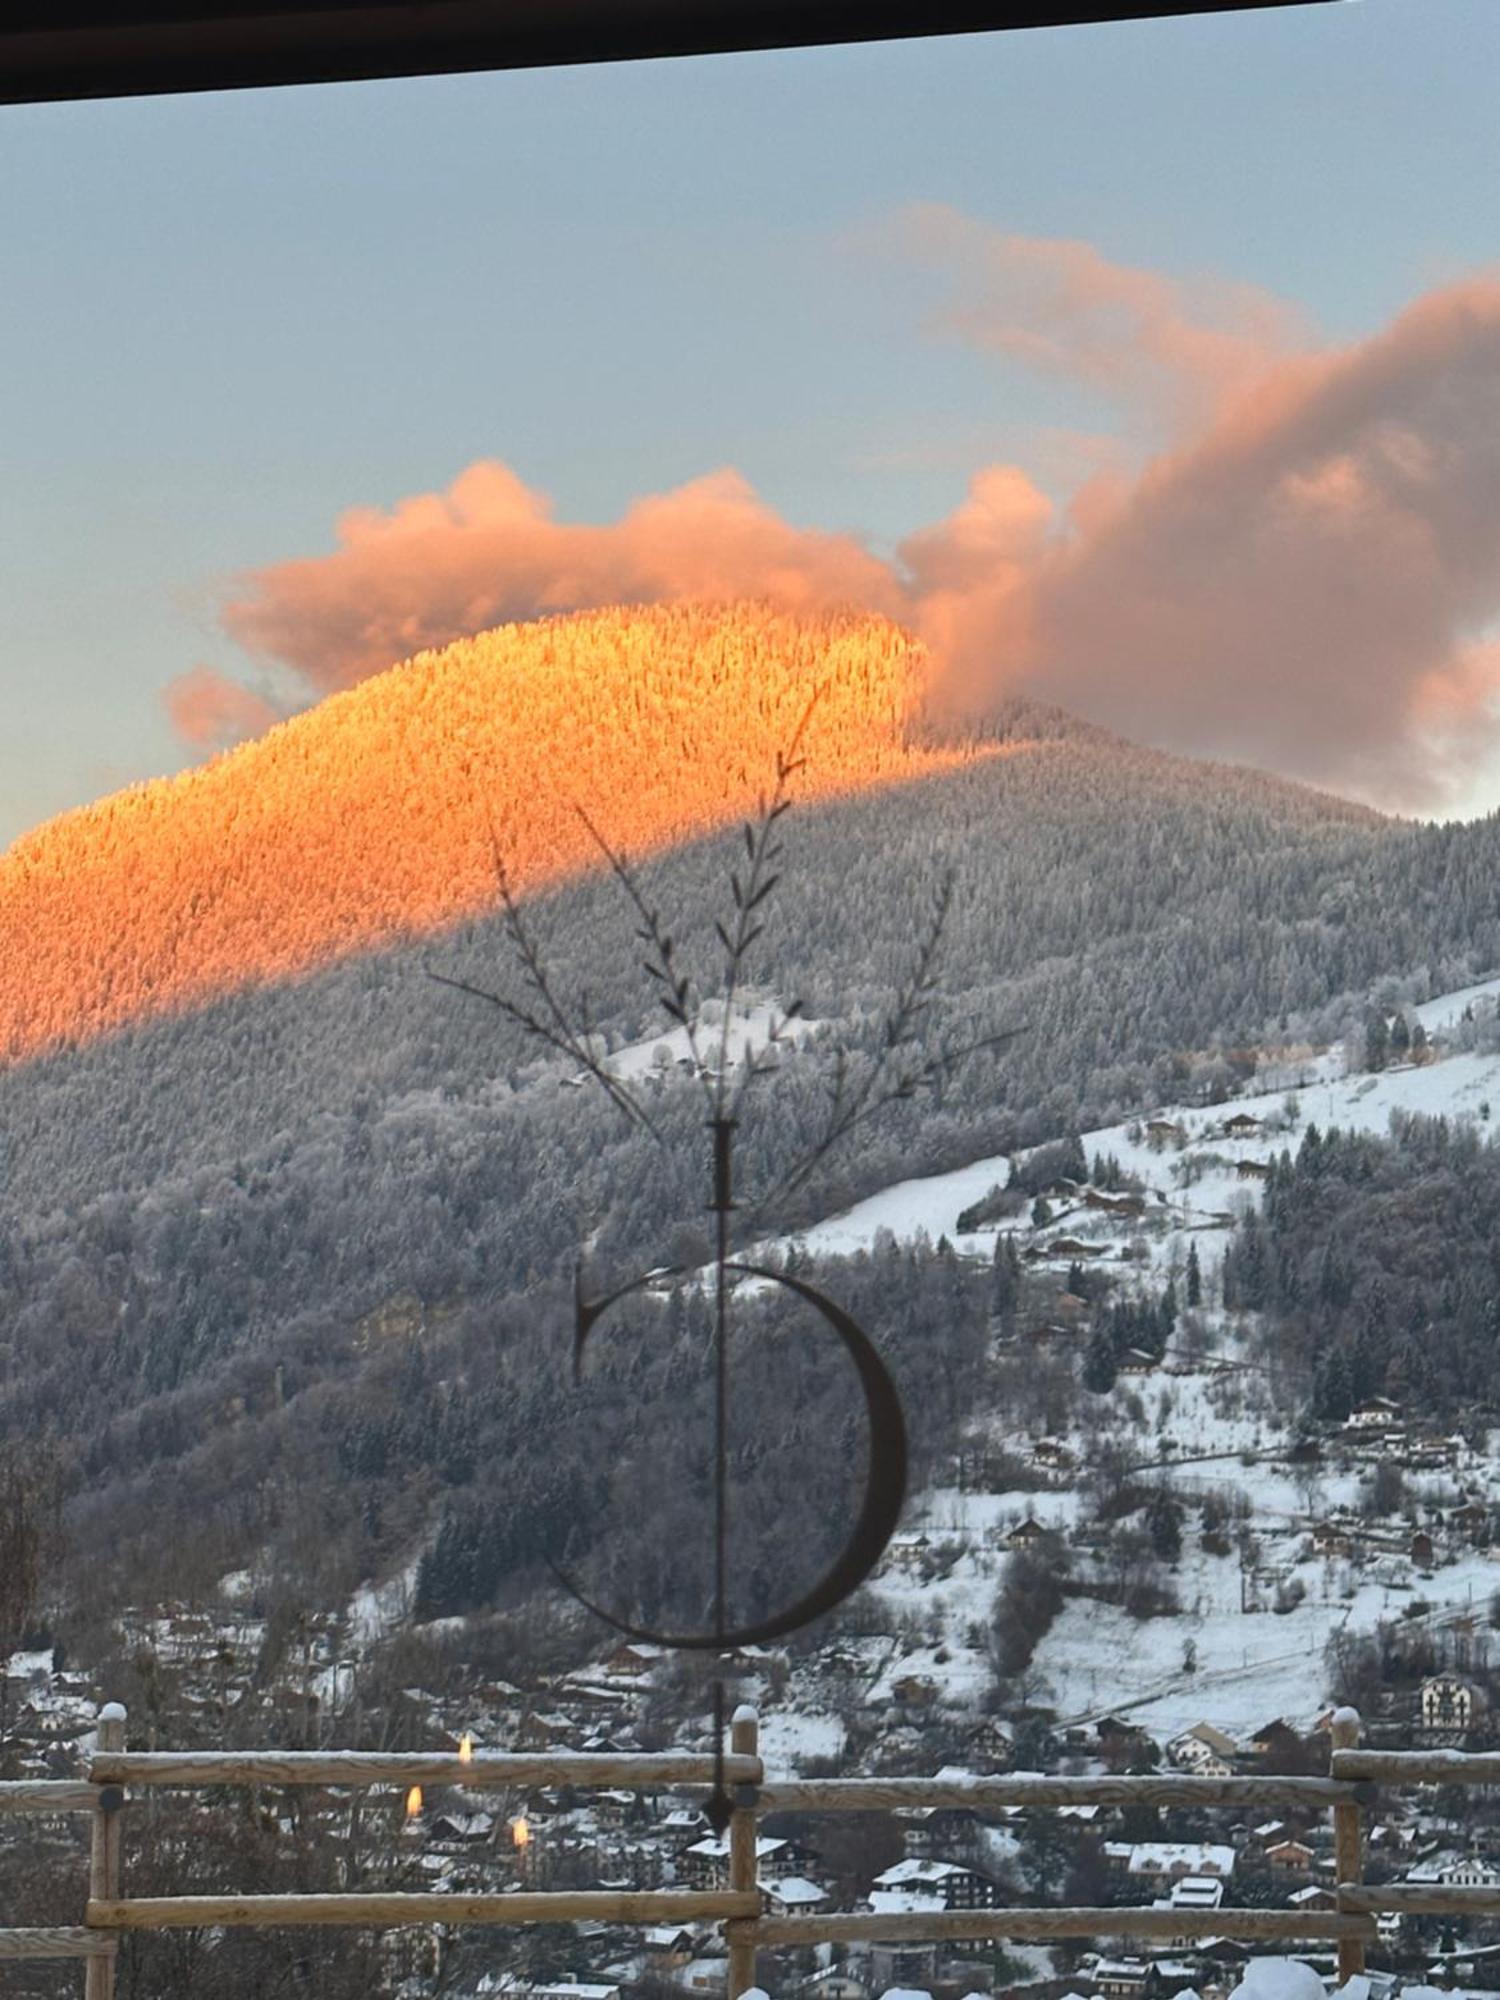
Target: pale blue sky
<point>224,319</point>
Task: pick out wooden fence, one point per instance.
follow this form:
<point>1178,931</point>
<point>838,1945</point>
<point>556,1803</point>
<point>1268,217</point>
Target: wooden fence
<point>1348,1793</point>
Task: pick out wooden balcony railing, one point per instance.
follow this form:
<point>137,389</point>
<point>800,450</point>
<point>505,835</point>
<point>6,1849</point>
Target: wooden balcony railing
<point>1348,1793</point>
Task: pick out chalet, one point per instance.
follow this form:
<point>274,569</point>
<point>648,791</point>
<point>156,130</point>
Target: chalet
<point>1121,1978</point>
<point>1136,1361</point>
<point>1290,1857</point>
<point>1375,1413</point>
<point>914,1691</point>
<point>1453,1871</point>
<point>1275,1739</point>
<point>1205,1751</point>
<point>705,1865</point>
<point>1448,1709</point>
<point>1117,1735</point>
<point>1114,1204</point>
<point>633,1659</point>
<point>990,1745</point>
<point>668,1941</point>
<point>612,1809</point>
<point>950,1886</point>
<point>1331,1538</point>
<point>1067,1246</point>
<point>1027,1534</point>
<point>1243,1125</point>
<point>793,1896</point>
<point>1313,1896</point>
<point>833,1983</point>
<point>460,1828</point>
<point>545,1732</point>
<point>1196,1892</point>
<point>1167,1860</point>
<point>1052,1454</point>
<point>1253,1170</point>
<point>1422,1549</point>
<point>1165,1131</point>
<point>1192,1892</point>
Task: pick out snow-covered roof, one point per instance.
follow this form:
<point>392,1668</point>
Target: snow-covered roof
<point>909,1873</point>
<point>903,1902</point>
<point>1158,1857</point>
<point>1198,1892</point>
<point>795,1889</point>
<point>716,1847</point>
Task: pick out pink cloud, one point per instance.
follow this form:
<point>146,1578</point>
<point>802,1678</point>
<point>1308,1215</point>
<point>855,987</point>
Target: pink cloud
<point>1177,348</point>
<point>489,551</point>
<point>212,712</point>
<point>1305,579</point>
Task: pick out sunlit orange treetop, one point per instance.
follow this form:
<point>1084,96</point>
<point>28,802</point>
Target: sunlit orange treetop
<point>366,818</point>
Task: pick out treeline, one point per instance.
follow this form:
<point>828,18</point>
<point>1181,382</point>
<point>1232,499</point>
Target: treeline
<point>1377,1263</point>
<point>371,816</point>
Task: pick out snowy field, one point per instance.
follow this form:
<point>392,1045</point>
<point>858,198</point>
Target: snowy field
<point>749,1031</point>
<point>1194,1187</point>
<point>1242,1650</point>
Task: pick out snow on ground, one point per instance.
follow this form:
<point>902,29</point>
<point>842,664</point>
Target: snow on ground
<point>1194,1183</point>
<point>1228,1656</point>
<point>376,1609</point>
<point>789,1739</point>
<point>750,1028</point>
<point>1447,1009</point>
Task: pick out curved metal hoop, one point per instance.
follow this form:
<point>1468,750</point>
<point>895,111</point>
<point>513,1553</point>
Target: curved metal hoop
<point>885,1481</point>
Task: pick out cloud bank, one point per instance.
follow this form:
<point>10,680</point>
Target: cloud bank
<point>1302,575</point>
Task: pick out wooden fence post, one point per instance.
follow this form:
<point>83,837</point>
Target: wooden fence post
<point>104,1852</point>
<point>744,1741</point>
<point>1348,1840</point>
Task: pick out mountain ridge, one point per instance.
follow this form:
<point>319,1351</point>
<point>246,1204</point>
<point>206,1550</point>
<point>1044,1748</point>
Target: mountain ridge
<point>370,819</point>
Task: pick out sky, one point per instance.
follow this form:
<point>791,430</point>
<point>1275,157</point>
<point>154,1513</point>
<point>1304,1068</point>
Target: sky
<point>1153,368</point>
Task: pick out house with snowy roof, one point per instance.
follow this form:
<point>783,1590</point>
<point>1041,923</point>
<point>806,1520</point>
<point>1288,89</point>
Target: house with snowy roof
<point>705,1865</point>
<point>1166,1860</point>
<point>793,1896</point>
<point>945,1884</point>
<point>1205,1751</point>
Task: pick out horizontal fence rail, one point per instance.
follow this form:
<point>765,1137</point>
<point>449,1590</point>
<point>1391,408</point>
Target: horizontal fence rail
<point>61,1941</point>
<point>810,1795</point>
<point>1419,1767</point>
<point>356,1767</point>
<point>387,1912</point>
<point>740,1907</point>
<point>47,1795</point>
<point>952,1926</point>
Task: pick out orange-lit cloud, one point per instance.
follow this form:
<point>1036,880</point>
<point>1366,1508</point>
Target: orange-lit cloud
<point>1303,577</point>
<point>1176,347</point>
<point>489,551</point>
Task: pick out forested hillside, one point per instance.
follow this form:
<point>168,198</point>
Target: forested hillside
<point>1380,1255</point>
<point>321,1232</point>
<point>368,817</point>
